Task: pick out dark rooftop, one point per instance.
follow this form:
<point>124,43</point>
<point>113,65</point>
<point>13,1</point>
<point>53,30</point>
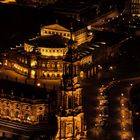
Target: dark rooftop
<point>11,88</point>
<point>72,6</point>
<point>110,38</point>
<point>52,41</point>
<point>66,22</point>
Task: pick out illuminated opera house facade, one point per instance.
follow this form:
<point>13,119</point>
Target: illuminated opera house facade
<point>42,57</point>
<point>51,56</point>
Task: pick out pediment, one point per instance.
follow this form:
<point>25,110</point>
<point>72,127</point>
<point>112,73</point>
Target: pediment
<point>56,27</point>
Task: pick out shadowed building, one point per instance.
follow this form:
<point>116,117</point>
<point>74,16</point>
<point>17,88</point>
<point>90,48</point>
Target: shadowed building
<point>83,11</point>
<point>35,2</point>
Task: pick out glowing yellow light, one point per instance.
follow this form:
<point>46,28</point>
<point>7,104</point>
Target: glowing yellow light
<point>100,67</point>
<point>124,128</point>
<point>28,118</point>
<point>38,84</point>
<point>7,1</point>
<point>111,68</point>
<point>101,93</point>
<point>100,115</point>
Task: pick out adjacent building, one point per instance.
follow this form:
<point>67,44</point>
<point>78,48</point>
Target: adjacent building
<point>26,111</point>
<point>135,7</point>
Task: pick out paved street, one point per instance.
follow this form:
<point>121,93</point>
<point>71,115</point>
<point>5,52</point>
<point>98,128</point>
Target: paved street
<point>107,109</point>
<point>91,102</point>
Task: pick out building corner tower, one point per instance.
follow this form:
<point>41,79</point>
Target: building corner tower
<point>71,124</point>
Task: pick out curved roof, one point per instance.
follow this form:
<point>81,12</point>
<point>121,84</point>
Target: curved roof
<point>52,41</point>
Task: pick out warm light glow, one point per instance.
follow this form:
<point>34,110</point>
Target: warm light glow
<point>131,84</point>
<point>101,93</point>
<point>103,43</point>
<point>99,67</point>
<point>38,84</point>
<point>82,74</point>
<point>111,68</point>
<point>6,62</point>
<point>8,1</point>
<point>33,63</point>
<point>32,74</point>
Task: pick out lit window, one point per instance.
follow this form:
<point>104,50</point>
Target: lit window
<point>53,65</point>
<point>58,65</point>
<point>43,65</point>
<point>48,65</point>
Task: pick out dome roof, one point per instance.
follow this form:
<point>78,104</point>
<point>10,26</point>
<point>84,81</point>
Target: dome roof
<point>52,41</point>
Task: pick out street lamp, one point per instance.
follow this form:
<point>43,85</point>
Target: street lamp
<point>131,84</point>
